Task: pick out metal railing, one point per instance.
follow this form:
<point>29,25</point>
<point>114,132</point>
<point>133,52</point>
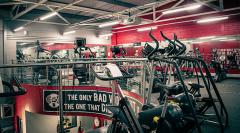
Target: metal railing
<point>64,73</point>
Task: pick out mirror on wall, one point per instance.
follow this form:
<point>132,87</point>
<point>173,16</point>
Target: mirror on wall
<point>26,50</point>
<point>53,50</point>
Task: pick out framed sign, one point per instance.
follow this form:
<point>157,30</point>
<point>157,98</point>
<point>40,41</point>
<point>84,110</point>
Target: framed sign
<point>6,110</point>
<point>77,101</point>
<point>82,101</point>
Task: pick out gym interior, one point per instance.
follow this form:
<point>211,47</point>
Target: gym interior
<point>119,66</point>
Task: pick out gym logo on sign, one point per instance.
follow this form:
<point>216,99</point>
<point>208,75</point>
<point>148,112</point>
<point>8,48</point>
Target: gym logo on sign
<point>53,100</point>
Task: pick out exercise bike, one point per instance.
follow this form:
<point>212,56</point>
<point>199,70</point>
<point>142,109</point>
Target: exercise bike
<point>118,52</point>
<point>220,71</point>
<point>167,117</point>
<point>124,119</point>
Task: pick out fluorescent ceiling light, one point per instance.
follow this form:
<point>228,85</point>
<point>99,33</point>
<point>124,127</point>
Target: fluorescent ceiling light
<point>25,32</point>
<point>206,37</point>
<point>50,43</point>
<point>219,38</point>
<point>187,41</point>
<point>23,43</point>
<point>108,24</point>
<point>69,32</point>
<point>137,46</point>
<point>147,28</point>
<point>206,20</point>
<point>18,29</point>
<point>48,16</point>
<point>228,40</point>
<point>197,42</point>
<point>182,9</point>
<point>105,35</point>
<point>32,47</point>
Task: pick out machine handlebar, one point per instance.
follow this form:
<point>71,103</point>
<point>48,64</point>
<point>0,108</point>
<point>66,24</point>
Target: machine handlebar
<point>182,47</point>
<point>12,92</point>
<point>172,44</point>
<point>157,45</point>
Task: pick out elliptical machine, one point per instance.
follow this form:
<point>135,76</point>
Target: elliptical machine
<point>124,119</point>
<point>220,71</point>
<point>82,71</point>
<point>232,57</point>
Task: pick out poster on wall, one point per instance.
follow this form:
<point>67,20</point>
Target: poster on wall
<point>84,101</point>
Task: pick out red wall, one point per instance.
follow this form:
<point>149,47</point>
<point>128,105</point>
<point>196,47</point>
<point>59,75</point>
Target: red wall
<point>184,30</point>
<point>65,46</point>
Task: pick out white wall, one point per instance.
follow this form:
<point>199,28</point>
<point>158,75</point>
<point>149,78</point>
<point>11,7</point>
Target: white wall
<point>46,33</point>
<point>38,123</point>
<point>1,41</point>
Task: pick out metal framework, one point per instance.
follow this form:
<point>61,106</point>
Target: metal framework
<point>182,17</point>
<point>145,8</point>
<point>56,10</point>
<point>28,9</point>
<point>134,10</point>
<point>94,60</point>
<point>60,16</point>
<point>119,3</point>
<point>150,9</point>
<point>58,5</point>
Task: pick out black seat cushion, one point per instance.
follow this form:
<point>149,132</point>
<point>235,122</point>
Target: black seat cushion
<point>195,85</point>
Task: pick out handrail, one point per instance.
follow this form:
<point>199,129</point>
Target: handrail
<point>74,62</point>
<point>35,60</point>
<point>172,44</point>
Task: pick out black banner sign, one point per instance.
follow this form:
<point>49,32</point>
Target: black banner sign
<point>88,101</point>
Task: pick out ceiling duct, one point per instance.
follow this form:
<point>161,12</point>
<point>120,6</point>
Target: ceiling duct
<point>131,21</point>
